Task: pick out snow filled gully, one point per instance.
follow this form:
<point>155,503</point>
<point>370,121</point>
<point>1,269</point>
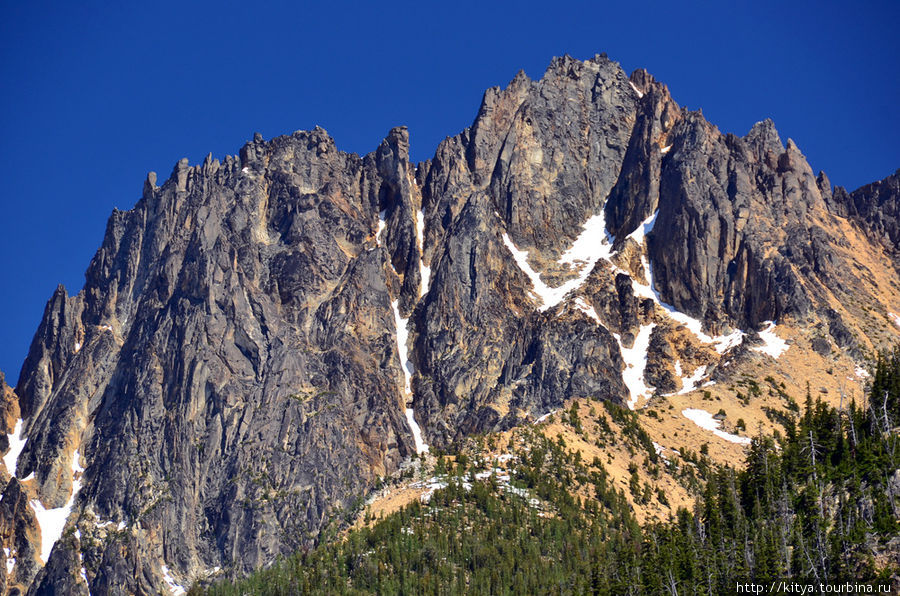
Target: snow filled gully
<point>595,243</point>
<point>407,366</point>
<point>635,359</point>
<point>50,521</point>
<point>584,253</point>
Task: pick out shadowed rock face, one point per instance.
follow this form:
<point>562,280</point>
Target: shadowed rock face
<point>230,377</point>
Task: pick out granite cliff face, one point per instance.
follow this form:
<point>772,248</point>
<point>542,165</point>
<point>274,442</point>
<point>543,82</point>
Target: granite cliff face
<point>259,338</point>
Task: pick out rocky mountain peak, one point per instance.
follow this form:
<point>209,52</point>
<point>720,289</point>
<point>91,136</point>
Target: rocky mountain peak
<point>263,338</point>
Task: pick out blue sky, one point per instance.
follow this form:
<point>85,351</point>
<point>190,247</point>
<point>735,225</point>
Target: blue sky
<point>93,97</point>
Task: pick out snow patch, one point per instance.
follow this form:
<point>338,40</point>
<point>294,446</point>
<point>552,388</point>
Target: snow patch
<point>592,244</point>
<point>430,485</point>
<point>174,588</point>
<point>587,309</point>
<point>381,225</point>
<point>119,526</point>
<point>773,345</point>
<point>895,318</point>
<point>10,562</point>
<point>549,296</point>
<point>16,445</point>
<point>705,420</point>
<point>81,558</point>
<point>690,383</point>
<point>421,447</point>
<point>402,338</point>
<point>408,369</point>
<point>78,345</point>
<point>545,416</point>
<point>635,362</point>
<point>645,228</point>
<point>424,272</point>
<point>665,149</point>
<point>636,90</point>
<point>861,372</point>
<point>501,475</point>
<point>53,521</point>
<point>722,343</point>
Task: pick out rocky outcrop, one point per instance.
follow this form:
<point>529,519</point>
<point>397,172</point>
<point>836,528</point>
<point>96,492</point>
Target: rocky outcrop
<point>20,537</point>
<point>636,193</point>
<point>876,209</point>
<point>230,377</point>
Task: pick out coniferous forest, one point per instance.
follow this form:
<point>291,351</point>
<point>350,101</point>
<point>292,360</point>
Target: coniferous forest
<point>817,502</point>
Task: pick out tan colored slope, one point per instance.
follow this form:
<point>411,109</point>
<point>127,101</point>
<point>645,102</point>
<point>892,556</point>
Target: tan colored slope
<point>616,456</point>
<point>614,450</point>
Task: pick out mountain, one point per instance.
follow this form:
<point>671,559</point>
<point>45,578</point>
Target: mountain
<point>263,339</point>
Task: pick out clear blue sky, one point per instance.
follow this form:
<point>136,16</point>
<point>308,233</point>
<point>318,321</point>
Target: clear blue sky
<point>93,97</point>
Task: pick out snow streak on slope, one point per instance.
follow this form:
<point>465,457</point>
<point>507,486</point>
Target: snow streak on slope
<point>174,588</point>
<point>640,234</point>
<point>773,345</point>
<point>53,521</point>
<point>705,420</point>
<point>587,309</point>
<point>549,296</point>
<point>635,362</point>
<point>545,416</point>
<point>381,224</point>
<point>723,343</point>
<point>421,447</point>
<point>895,318</point>
<point>16,445</point>
<point>592,244</point>
<point>690,383</point>
<point>424,272</point>
<point>83,572</point>
<point>402,338</point>
<point>407,366</point>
